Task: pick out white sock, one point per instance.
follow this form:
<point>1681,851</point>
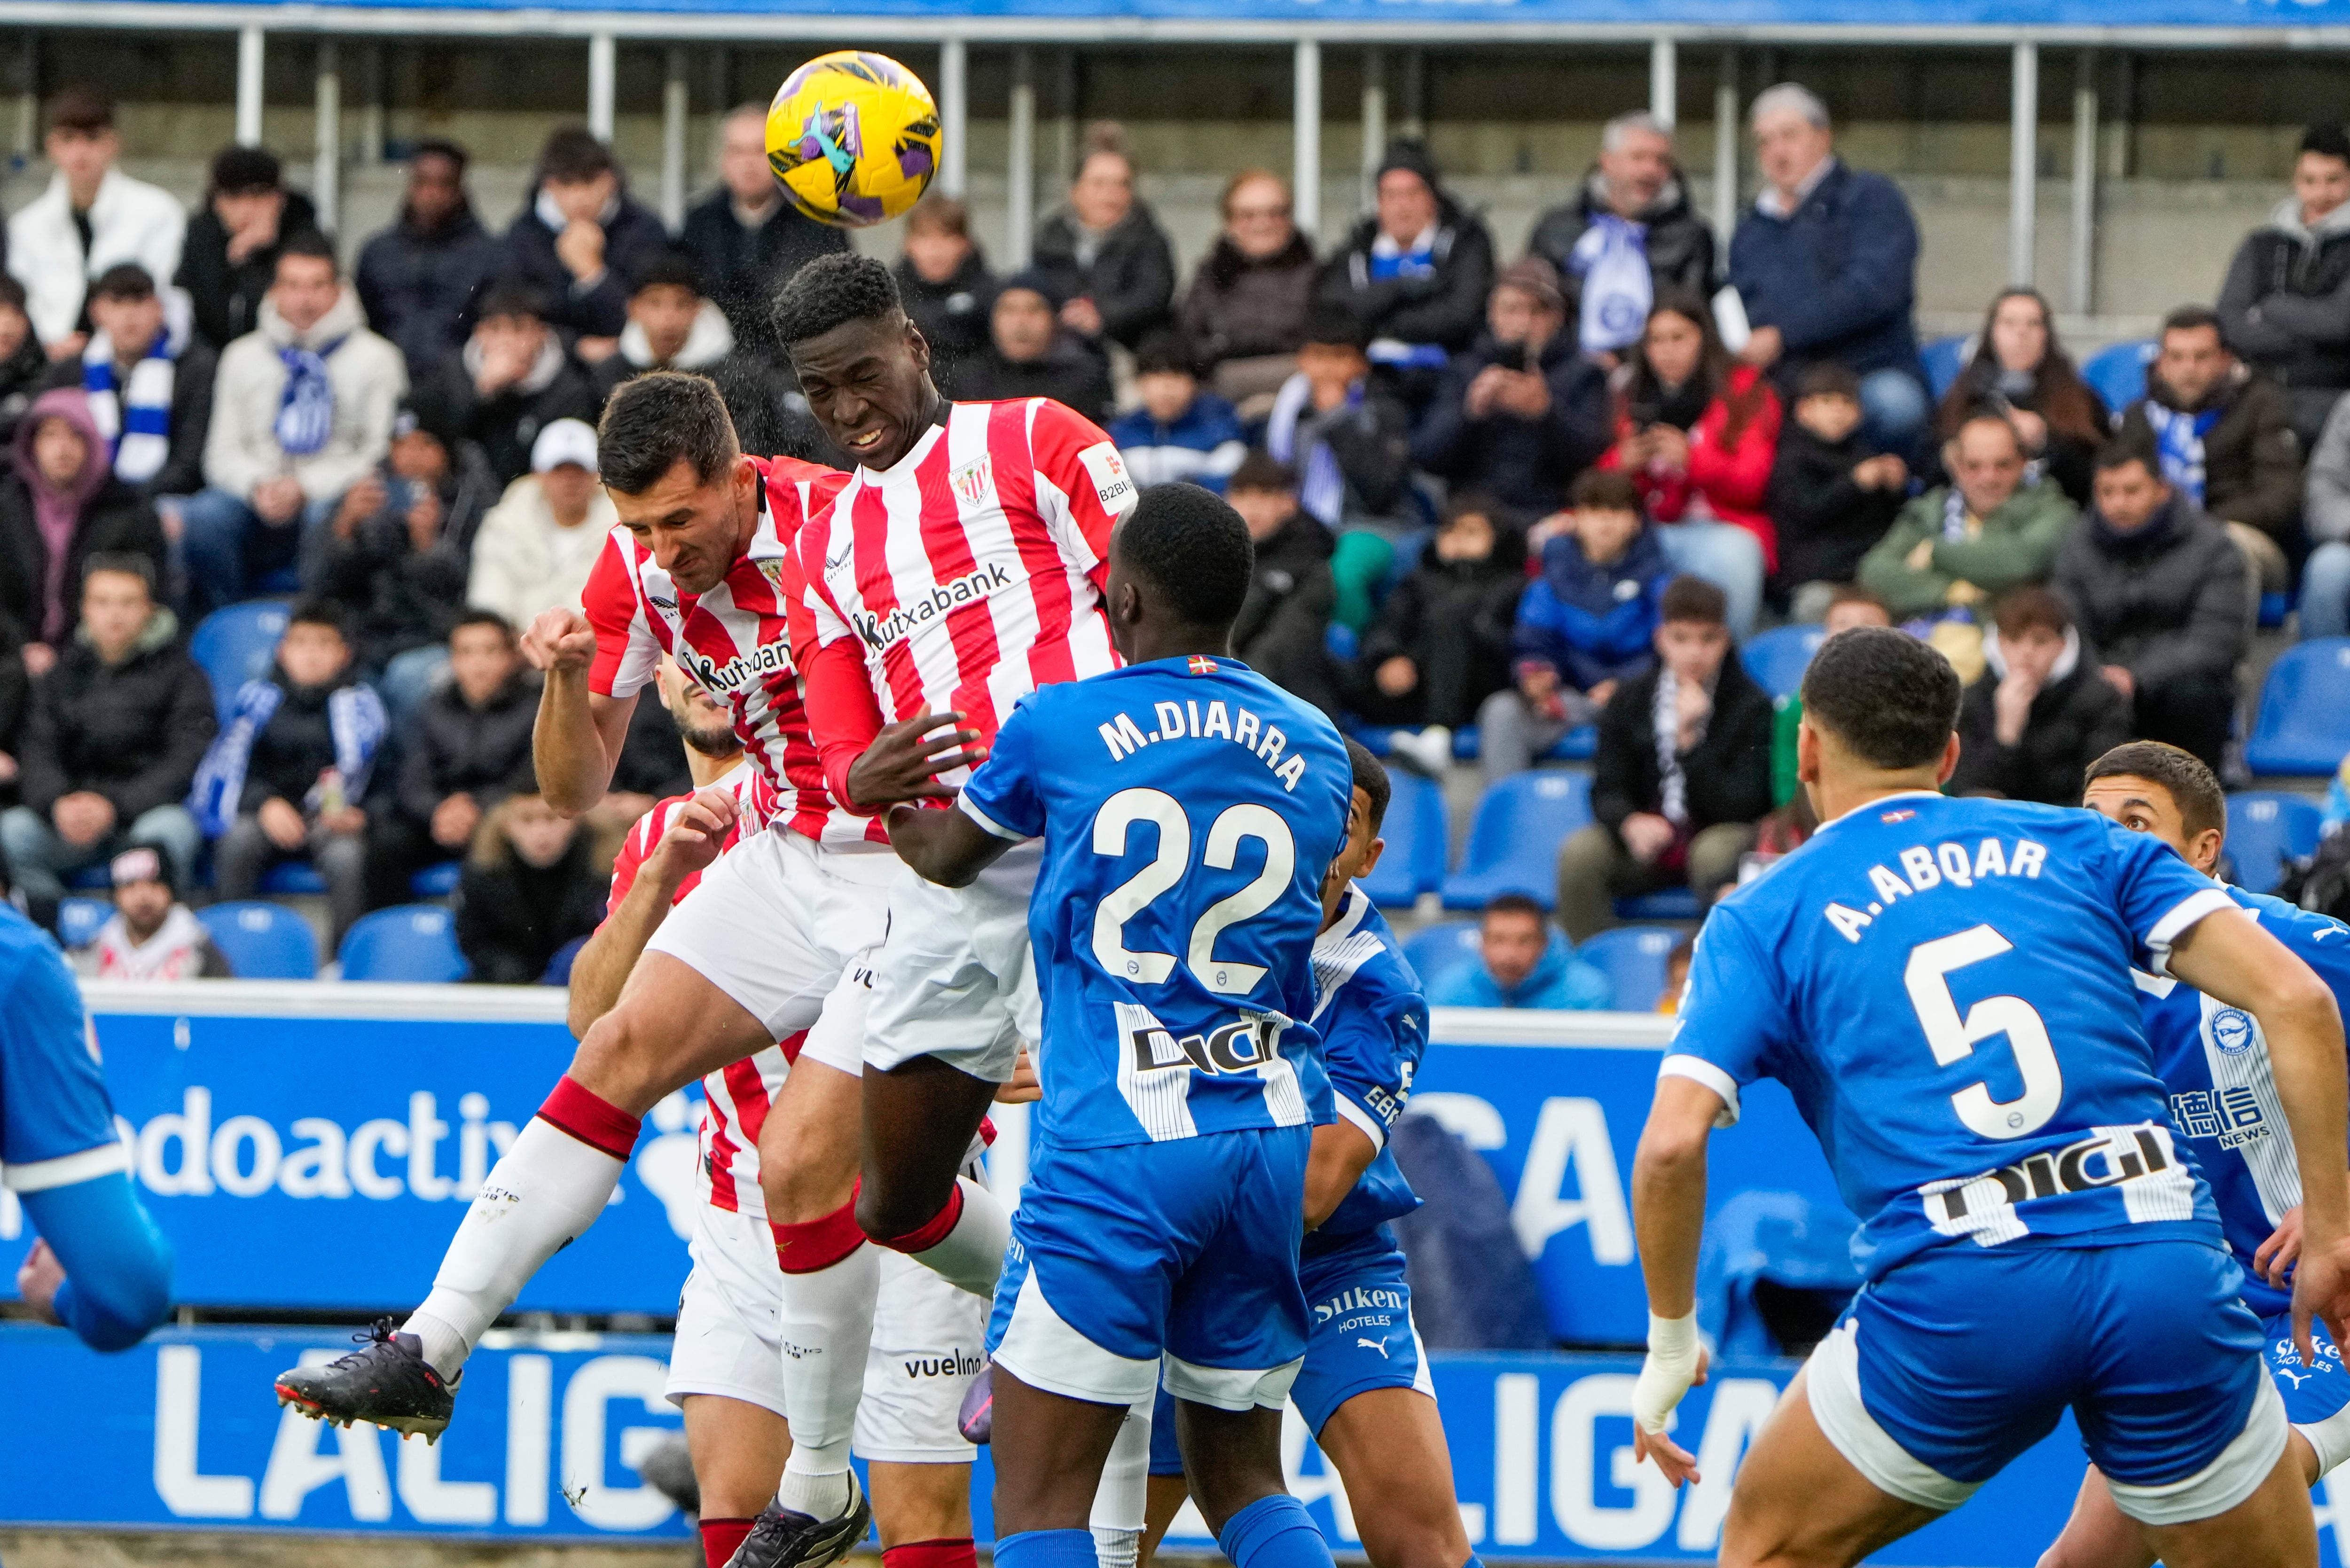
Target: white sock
<point>547,1189</point>
<point>1124,1494</point>
<point>818,1493</point>
<point>1116,1548</point>
<point>971,1256</point>
<point>827,1329</point>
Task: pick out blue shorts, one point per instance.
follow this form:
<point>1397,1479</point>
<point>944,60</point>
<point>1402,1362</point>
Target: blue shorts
<point>2311,1392</point>
<point>1361,1338</point>
<point>1959,1359</point>
<point>1185,1250</point>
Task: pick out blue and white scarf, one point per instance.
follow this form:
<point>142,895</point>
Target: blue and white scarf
<point>1619,292</point>
<point>305,409</point>
<point>2178,446</point>
<point>135,419</point>
<point>355,717</point>
<point>1321,487</point>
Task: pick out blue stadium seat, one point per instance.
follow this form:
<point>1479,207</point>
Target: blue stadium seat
<point>408,942</point>
<point>1672,904</point>
<point>1777,658</point>
<point>78,920</point>
<point>2274,608</point>
<point>1338,639</point>
<point>559,968</point>
<point>1413,862</point>
<point>1945,357</point>
<point>263,942</point>
<point>2118,372</point>
<point>1435,948</point>
<point>2303,726</point>
<point>1575,746</point>
<point>1633,960</point>
<point>2265,827</point>
<point>96,877</point>
<point>235,645</point>
<point>1513,843</point>
<point>437,881</point>
<point>290,876</point>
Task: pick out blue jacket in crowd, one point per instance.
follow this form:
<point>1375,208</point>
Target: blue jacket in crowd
<point>1203,446</point>
<point>1592,623</point>
<point>1838,278</point>
<point>1561,982</point>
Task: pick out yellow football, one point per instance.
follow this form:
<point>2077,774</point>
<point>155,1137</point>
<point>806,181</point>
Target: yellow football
<point>854,137</point>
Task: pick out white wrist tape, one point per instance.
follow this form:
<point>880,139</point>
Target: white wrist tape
<point>1671,1367</point>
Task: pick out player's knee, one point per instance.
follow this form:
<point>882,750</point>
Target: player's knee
<point>886,1213</point>
<point>618,1060</point>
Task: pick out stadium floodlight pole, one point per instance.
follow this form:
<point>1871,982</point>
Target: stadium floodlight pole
<point>250,43</point>
<point>954,115</point>
<point>1305,176</point>
<point>2023,166</point>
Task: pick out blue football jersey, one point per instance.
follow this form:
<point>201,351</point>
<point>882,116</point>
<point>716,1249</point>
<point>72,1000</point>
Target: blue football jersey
<point>1373,1023</point>
<point>57,1126</point>
<point>1189,809</point>
<point>1944,987</point>
<point>2214,1060</point>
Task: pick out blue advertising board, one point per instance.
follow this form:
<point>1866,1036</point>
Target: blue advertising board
<point>321,1162</point>
<point>183,1433</point>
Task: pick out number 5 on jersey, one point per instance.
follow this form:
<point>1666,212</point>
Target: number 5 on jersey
<point>1951,1037</point>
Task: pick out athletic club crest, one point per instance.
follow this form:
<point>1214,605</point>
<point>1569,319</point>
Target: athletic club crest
<point>971,482</point>
<point>772,568</point>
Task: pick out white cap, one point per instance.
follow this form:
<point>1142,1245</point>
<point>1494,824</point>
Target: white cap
<point>564,441</point>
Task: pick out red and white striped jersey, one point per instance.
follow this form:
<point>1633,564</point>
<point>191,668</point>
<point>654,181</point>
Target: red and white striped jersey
<point>734,1099</point>
<point>735,641</point>
<point>964,577</point>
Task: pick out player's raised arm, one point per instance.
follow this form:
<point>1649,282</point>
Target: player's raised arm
<point>2230,956</point>
<point>575,743</point>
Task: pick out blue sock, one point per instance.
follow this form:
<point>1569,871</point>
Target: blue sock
<point>1046,1549</point>
<point>1474,1562</point>
<point>1274,1532</point>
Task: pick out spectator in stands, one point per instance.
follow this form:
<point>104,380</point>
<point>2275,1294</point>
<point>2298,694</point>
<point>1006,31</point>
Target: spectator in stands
<point>2224,439</point>
<point>1677,968</point>
<point>1831,496</point>
<point>1584,626</point>
<point>670,326</point>
<point>151,393</point>
<point>1441,646</point>
<point>111,740</point>
<point>419,278</point>
<point>1349,441</point>
<point>2041,713</point>
<point>59,508</point>
<point>394,554</point>
<point>1826,264</point>
<point>1629,235</point>
<point>1181,432</point>
<point>1520,962</point>
<point>24,364</point>
<point>513,380</point>
<point>89,217</point>
<point>2158,590</point>
<point>538,543</point>
<point>287,778</point>
<point>1962,545</point>
<point>457,761</point>
<point>575,243</point>
<point>944,283</point>
<point>16,701</point>
<point>533,882</point>
<point>1245,311</point>
<point>1682,774</point>
<point>1696,432</point>
<point>1031,353</point>
<point>1849,605</point>
<point>2021,371</point>
<point>302,407</point>
<point>2284,305</point>
<point>151,936</point>
<point>230,260</point>
<point>747,238</point>
<point>1111,267</point>
<point>1523,413</point>
<point>1283,630</point>
<point>1414,272</point>
<point>2325,604</point>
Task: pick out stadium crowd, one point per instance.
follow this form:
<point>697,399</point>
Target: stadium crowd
<point>1540,501</point>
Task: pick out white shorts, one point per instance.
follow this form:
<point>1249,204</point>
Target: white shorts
<point>929,1342</point>
<point>952,978</point>
<point>773,924</point>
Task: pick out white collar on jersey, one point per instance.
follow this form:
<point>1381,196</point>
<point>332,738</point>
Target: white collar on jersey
<point>1880,800</point>
<point>1351,911</point>
<point>914,454</point>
